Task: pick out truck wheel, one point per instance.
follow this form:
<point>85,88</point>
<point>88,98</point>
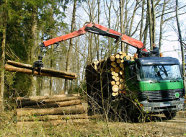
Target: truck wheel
<point>170,114</point>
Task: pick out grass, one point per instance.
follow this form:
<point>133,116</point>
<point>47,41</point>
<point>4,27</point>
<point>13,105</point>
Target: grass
<point>94,128</point>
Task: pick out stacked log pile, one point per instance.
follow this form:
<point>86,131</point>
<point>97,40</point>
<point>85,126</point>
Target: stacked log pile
<point>57,108</point>
<point>106,78</point>
<point>111,69</point>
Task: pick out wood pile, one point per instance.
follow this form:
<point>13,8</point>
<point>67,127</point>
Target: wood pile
<point>109,72</point>
<point>13,66</point>
<point>59,108</point>
<point>106,80</point>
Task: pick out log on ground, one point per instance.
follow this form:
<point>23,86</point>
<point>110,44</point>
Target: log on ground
<point>77,109</point>
<point>31,102</point>
<point>53,104</point>
<point>52,117</point>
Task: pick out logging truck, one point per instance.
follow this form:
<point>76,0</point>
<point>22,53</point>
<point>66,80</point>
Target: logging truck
<point>151,83</point>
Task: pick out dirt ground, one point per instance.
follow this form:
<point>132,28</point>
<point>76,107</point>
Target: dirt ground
<point>157,127</point>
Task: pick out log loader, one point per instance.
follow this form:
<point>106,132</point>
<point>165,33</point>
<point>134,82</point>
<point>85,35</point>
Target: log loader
<point>158,79</point>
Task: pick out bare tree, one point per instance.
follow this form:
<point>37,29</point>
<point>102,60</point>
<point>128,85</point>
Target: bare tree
<point>161,24</point>
<point>4,17</point>
<point>97,40</point>
<point>122,27</point>
<point>70,45</point>
<point>108,17</point>
<point>150,22</point>
<point>180,39</point>
<point>142,18</point>
<point>33,47</point>
<point>131,22</point>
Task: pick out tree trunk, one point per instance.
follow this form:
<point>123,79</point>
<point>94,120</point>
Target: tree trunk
<point>51,65</point>
<point>70,45</point>
<point>33,47</point>
<point>2,69</point>
<point>97,45</point>
<point>153,12</point>
<point>180,40</point>
<point>3,58</point>
<point>122,27</point>
<point>109,26</point>
<point>150,23</point>
<point>131,23</point>
<point>161,25</point>
<point>49,73</point>
<point>145,31</point>
<point>142,16</point>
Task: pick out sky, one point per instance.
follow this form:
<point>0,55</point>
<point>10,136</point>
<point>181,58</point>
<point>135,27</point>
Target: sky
<point>170,44</point>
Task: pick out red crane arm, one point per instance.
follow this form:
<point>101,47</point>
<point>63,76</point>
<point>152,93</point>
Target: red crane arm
<point>97,29</point>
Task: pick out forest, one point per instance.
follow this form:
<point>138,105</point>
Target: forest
<point>25,24</point>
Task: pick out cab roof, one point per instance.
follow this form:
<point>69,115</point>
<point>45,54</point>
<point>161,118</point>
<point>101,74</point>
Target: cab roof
<point>158,61</point>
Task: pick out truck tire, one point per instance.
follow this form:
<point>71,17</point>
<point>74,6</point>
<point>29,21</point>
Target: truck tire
<point>170,114</point>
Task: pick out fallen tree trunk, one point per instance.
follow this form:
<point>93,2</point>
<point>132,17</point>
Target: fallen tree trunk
<point>26,68</point>
<point>56,104</point>
<point>30,102</point>
<point>52,117</point>
<point>36,73</point>
<point>77,109</point>
<point>46,97</point>
<point>40,98</point>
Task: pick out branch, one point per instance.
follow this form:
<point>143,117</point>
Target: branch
<point>170,12</point>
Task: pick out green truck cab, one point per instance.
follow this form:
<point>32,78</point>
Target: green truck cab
<point>160,85</point>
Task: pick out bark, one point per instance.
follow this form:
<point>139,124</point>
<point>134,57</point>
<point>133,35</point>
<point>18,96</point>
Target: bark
<point>122,27</point>
<point>161,25</point>
<point>131,23</point>
<point>44,104</point>
<point>28,101</point>
<point>36,73</point>
<point>33,47</point>
<point>37,98</point>
<point>3,58</point>
<point>98,42</point>
<point>77,109</point>
<point>150,23</point>
<point>70,45</point>
<point>53,117</point>
<point>2,70</point>
<point>180,40</point>
<point>90,57</point>
<point>77,57</point>
<point>153,22</point>
<point>91,8</point>
<point>43,70</point>
<point>145,31</point>
<point>142,16</point>
<point>51,65</point>
<point>125,20</point>
<point>109,25</point>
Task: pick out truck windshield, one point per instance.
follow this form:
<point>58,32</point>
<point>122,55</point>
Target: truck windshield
<point>160,72</point>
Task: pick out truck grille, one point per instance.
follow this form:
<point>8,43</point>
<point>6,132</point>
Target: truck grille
<point>160,95</point>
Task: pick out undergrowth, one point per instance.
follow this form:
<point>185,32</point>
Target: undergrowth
<point>94,128</point>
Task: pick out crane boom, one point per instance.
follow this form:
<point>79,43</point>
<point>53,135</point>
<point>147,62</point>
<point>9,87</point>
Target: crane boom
<point>97,29</point>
